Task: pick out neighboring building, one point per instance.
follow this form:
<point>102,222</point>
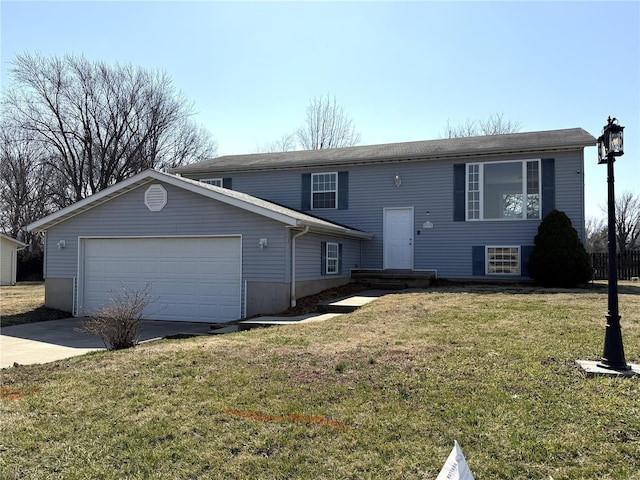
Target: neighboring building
<point>9,259</point>
<point>244,234</point>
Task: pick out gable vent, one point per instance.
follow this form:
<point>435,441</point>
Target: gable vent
<point>155,198</point>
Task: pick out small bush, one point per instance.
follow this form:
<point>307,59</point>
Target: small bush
<point>118,322</point>
<point>559,259</point>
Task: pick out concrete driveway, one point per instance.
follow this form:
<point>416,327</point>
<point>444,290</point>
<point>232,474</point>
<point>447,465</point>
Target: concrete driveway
<point>44,342</point>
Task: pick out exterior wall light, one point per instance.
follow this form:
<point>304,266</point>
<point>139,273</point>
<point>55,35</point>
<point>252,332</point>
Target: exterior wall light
<point>397,180</point>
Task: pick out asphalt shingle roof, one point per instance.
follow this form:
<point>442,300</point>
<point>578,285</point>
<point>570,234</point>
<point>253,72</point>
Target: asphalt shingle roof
<point>566,139</point>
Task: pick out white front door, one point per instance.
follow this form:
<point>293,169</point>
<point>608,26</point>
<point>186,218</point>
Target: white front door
<point>398,238</point>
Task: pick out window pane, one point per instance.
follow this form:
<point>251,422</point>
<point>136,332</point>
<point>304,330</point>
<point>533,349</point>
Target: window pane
<point>503,260</point>
<point>324,190</point>
<point>332,257</point>
<point>473,195</point>
<point>502,190</point>
<point>533,190</point>
<point>324,200</point>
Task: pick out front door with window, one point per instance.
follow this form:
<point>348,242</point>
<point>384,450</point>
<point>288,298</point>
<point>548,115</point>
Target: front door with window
<point>398,238</point>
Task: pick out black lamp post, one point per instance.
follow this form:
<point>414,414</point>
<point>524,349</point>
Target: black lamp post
<point>610,146</point>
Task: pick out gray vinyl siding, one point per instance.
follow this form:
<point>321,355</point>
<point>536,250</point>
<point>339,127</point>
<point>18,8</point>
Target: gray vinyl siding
<point>427,186</point>
<point>309,256</point>
<point>185,214</point>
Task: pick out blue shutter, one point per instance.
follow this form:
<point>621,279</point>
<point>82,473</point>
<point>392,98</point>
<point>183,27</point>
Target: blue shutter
<point>548,186</point>
<point>339,259</point>
<point>343,190</point>
<point>477,260</point>
<point>323,258</point>
<point>459,171</point>
<point>305,197</point>
<point>226,182</point>
<point>525,252</point>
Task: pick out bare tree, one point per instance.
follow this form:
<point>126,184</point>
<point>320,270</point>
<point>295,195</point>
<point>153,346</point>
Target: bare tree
<point>495,124</point>
<point>627,221</point>
<point>326,126</point>
<point>285,143</point>
<point>595,235</point>
<point>100,124</point>
<point>25,183</point>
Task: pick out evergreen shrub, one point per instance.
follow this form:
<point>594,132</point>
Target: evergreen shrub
<point>559,258</point>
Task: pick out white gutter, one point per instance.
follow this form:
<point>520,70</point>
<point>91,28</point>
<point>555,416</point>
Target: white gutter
<point>293,264</point>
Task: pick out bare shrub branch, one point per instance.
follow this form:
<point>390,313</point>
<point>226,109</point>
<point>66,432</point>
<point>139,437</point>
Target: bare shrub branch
<point>118,321</point>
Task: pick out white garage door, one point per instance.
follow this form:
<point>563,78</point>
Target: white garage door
<point>191,279</point>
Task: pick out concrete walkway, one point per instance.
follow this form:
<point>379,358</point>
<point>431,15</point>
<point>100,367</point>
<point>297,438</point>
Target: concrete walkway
<point>44,342</point>
<point>326,310</point>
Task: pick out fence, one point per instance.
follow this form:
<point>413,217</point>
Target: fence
<point>628,265</point>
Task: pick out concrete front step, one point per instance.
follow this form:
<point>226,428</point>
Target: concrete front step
<point>351,303</point>
<point>393,279</point>
<point>262,322</point>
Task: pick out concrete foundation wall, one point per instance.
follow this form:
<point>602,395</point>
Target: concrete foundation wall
<point>58,294</point>
<point>311,287</point>
<point>267,298</point>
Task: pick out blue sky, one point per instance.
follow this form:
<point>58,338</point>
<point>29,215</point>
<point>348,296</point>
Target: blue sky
<point>400,69</point>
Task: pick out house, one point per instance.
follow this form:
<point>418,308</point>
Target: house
<point>244,234</point>
<point>9,248</point>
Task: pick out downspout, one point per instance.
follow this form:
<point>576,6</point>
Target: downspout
<point>293,264</point>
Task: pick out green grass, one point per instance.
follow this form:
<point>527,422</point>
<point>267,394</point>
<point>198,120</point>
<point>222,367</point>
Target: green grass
<point>380,393</point>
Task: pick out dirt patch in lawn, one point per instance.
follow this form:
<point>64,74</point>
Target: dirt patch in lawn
<point>24,303</point>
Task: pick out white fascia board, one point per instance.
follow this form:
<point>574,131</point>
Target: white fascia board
<point>94,200</point>
<point>13,240</point>
<point>336,231</point>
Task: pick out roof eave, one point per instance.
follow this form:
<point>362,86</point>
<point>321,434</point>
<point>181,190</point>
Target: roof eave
<point>335,231</point>
<point>388,159</point>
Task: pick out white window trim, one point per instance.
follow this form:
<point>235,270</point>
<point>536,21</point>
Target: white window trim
<point>212,181</point>
<point>481,218</point>
<point>486,261</point>
<point>336,258</point>
<point>324,191</point>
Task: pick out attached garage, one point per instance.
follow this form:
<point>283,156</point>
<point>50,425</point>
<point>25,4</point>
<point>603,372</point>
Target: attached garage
<point>195,279</point>
<point>207,253</point>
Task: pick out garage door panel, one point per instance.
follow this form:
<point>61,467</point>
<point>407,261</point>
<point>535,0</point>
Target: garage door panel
<point>191,279</point>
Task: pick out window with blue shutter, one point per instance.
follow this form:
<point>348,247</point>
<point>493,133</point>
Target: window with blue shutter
<point>331,258</point>
<point>325,190</point>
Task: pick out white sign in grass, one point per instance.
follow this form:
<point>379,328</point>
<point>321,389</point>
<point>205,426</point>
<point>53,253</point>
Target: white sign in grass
<point>455,468</point>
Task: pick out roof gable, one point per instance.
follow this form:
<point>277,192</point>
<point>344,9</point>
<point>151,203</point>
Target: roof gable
<point>17,243</point>
<point>287,216</point>
<point>529,142</point>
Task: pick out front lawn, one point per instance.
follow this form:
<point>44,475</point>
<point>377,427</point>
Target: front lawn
<point>378,394</point>
<point>24,303</point>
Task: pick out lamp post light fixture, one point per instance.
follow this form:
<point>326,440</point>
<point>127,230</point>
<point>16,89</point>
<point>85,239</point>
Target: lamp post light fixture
<point>610,146</point>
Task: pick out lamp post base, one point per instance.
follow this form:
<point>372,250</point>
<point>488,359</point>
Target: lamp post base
<point>593,369</point>
<point>613,356</point>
